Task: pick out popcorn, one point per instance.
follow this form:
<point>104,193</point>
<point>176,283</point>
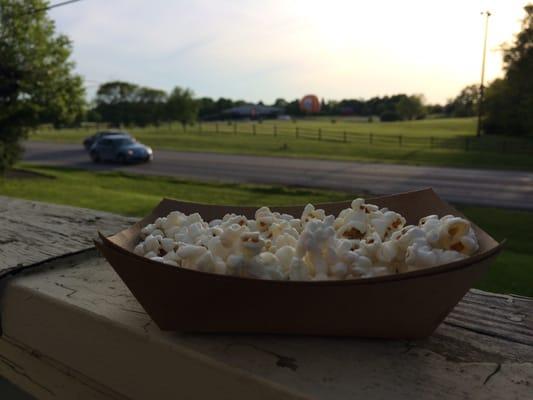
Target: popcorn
<point>139,249</point>
<point>311,213</point>
<point>168,244</point>
<point>214,245</point>
<point>421,255</point>
<point>215,222</point>
<point>235,265</point>
<point>387,223</point>
<point>285,255</point>
<point>467,244</point>
<point>338,270</point>
<point>229,237</point>
<point>171,256</point>
<point>361,265</point>
<point>147,230</point>
<point>369,247</point>
<point>354,230</point>
<point>157,232</point>
<point>362,241</point>
<point>298,270</point>
<point>251,244</point>
<point>150,254</point>
<point>313,244</point>
<point>190,254</point>
<point>151,243</point>
<point>206,262</point>
<point>265,266</point>
<point>450,233</point>
<point>264,218</point>
<point>285,239</point>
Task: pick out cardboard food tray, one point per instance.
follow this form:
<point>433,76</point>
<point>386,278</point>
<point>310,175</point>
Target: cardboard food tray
<point>407,305</point>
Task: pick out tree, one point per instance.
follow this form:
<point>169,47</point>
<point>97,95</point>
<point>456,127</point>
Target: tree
<point>150,106</point>
<point>465,104</point>
<point>181,106</point>
<point>293,108</point>
<point>389,116</point>
<point>434,109</point>
<point>281,103</point>
<point>37,83</point>
<point>509,101</point>
<point>114,102</point>
<point>207,107</point>
<point>410,107</point>
<point>124,103</point>
<point>496,98</point>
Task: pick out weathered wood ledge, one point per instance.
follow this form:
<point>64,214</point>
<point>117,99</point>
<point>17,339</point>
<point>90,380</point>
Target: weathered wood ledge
<point>71,329</point>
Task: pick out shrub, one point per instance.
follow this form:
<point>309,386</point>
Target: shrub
<point>389,116</point>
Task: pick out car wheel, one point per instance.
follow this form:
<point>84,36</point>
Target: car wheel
<point>121,159</point>
<point>95,157</point>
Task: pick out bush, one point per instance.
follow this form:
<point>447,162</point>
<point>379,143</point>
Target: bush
<point>389,116</point>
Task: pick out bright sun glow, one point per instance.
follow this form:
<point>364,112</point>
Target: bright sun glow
<point>269,49</point>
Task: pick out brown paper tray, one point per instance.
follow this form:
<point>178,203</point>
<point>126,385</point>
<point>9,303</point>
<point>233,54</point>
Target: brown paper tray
<point>408,305</point>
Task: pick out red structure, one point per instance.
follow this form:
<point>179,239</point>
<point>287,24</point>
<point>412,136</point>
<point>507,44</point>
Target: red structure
<point>310,104</point>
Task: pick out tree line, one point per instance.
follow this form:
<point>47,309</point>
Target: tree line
<point>122,103</point>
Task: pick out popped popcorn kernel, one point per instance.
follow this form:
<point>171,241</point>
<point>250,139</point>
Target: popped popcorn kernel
<point>362,241</point>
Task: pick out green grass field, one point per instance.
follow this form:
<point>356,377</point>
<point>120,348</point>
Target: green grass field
<point>135,195</point>
<point>445,142</point>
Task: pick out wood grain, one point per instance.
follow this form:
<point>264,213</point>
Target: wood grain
<point>32,232</point>
<point>76,313</point>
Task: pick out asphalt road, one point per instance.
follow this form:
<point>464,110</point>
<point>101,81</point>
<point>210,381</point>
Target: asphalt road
<point>512,189</point>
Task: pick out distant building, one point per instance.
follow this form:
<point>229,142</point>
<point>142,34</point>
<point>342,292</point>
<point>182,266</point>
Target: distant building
<point>252,111</point>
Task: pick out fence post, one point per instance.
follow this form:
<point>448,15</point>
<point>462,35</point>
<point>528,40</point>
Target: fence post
<point>216,127</point>
<point>319,133</point>
<point>234,128</point>
<point>466,144</point>
<point>370,138</point>
<point>200,127</point>
<point>275,130</point>
<point>400,140</point>
<point>344,136</point>
<point>297,133</point>
<point>253,129</point>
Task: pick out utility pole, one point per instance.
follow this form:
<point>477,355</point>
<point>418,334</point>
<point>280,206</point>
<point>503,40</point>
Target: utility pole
<point>487,14</point>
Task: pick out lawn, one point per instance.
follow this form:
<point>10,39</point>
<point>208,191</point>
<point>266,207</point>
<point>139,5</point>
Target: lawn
<point>444,142</point>
<point>135,195</point>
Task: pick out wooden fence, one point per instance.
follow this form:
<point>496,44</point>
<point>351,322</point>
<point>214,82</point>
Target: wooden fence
<point>500,144</point>
<point>485,143</point>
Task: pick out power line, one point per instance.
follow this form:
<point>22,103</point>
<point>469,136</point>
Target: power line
<point>49,7</point>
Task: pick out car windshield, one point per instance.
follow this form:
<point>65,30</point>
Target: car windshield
<point>122,142</point>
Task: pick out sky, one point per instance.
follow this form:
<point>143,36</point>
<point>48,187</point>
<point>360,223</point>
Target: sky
<point>263,50</point>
